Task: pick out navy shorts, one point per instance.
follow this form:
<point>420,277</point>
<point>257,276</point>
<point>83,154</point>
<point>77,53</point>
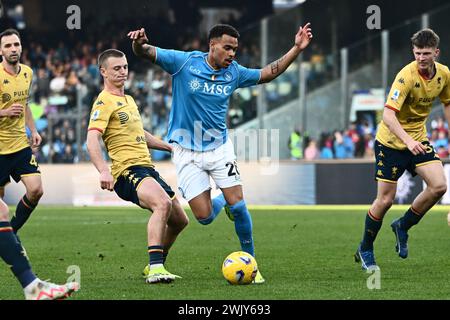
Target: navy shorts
<point>391,163</point>
<point>129,181</point>
<point>17,165</point>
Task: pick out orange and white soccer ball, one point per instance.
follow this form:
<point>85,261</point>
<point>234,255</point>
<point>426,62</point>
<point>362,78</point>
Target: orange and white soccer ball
<point>239,268</point>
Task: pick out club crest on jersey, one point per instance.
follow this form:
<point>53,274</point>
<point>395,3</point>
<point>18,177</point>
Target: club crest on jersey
<point>95,115</point>
<point>228,76</point>
<point>123,117</point>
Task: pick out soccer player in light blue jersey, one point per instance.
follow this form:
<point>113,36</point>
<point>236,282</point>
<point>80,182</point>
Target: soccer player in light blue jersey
<point>202,85</point>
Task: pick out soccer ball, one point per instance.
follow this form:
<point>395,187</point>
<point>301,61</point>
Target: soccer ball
<point>239,268</point>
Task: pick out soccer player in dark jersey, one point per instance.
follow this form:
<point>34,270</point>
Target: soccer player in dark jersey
<point>202,85</point>
<point>16,157</point>
<point>12,252</point>
<point>115,118</point>
<point>402,144</point>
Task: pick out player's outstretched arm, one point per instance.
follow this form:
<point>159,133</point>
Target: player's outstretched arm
<point>95,153</point>
<point>140,45</point>
<point>155,143</point>
<point>391,121</point>
<point>302,40</point>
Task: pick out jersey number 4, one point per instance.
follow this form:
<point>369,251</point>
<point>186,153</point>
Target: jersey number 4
<point>33,161</point>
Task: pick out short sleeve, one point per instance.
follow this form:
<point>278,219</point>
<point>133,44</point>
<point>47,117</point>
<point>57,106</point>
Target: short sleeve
<point>399,90</point>
<point>30,87</point>
<point>445,93</point>
<point>171,60</point>
<point>248,77</point>
<point>100,115</point>
<point>31,76</point>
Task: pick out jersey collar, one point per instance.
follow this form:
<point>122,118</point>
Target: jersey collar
<point>210,66</point>
<point>424,76</point>
<point>12,74</point>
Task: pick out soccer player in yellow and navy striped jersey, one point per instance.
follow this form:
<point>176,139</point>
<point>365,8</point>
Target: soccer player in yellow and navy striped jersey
<point>402,144</point>
<point>17,161</point>
<point>411,98</point>
<point>119,121</point>
<point>16,157</point>
<point>115,118</point>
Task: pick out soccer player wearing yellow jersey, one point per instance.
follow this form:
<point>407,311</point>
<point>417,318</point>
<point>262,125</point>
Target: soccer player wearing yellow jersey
<point>115,118</point>
<point>16,157</point>
<point>402,144</point>
<point>17,160</point>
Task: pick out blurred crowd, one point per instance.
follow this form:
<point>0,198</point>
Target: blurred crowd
<point>65,84</point>
<point>354,142</point>
<point>357,141</point>
<point>439,137</point>
<point>67,80</point>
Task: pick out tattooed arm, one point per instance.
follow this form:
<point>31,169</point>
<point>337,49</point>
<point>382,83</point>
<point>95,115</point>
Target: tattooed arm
<point>140,46</point>
<point>273,70</point>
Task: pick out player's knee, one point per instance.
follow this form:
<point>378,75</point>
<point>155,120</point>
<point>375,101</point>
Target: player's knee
<point>439,190</point>
<point>35,193</point>
<point>386,202</point>
<point>235,198</point>
<point>163,206</point>
<point>203,214</point>
<point>4,212</point>
<point>205,220</point>
<point>202,211</point>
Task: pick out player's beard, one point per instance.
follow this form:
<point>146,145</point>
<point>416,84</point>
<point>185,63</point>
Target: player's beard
<point>227,62</point>
<point>13,62</point>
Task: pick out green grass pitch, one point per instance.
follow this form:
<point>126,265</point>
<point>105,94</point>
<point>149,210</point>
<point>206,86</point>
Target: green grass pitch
<point>303,252</point>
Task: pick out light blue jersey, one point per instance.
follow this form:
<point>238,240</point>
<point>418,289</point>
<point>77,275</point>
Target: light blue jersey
<point>200,97</point>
